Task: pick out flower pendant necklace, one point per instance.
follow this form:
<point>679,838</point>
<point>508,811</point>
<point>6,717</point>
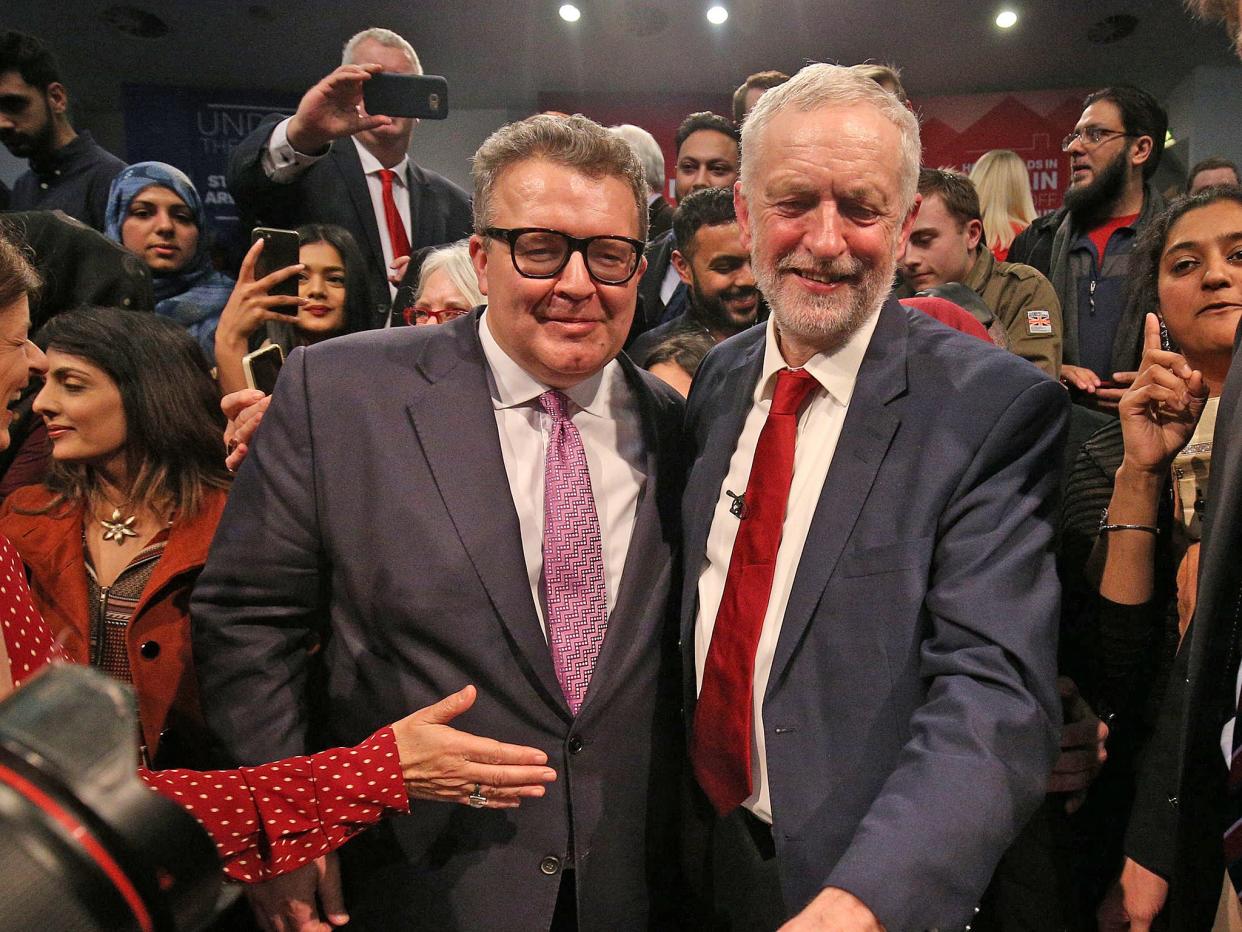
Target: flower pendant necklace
<point>117,528</point>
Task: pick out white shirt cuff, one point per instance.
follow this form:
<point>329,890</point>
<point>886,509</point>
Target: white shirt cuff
<point>281,162</point>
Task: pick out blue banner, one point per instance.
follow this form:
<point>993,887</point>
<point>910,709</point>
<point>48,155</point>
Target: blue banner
<point>196,129</point>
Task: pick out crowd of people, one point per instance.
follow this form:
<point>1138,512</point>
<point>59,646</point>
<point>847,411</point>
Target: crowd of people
<point>840,546</point>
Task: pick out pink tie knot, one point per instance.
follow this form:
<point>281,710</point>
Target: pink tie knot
<point>556,404</point>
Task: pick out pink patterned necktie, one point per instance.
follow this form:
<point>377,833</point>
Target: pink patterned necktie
<point>573,562</point>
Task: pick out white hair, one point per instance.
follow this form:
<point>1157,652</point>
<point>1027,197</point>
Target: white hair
<point>454,261</point>
<point>648,152</point>
<point>383,37</point>
<point>819,86</point>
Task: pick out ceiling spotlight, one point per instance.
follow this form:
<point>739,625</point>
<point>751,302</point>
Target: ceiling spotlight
<point>1006,19</point>
<point>717,15</point>
<point>570,13</point>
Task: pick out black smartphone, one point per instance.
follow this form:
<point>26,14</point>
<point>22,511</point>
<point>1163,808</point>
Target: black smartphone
<point>280,249</point>
<point>424,96</point>
<point>262,367</point>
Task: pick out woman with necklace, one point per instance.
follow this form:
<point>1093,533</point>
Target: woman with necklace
<point>117,534</point>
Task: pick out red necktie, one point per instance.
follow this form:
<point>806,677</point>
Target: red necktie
<point>720,749</point>
<point>396,229</point>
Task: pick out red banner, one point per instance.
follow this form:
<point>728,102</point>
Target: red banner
<point>957,130</point>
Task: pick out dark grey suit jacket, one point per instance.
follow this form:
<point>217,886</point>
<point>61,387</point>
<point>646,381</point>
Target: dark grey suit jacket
<point>912,715</point>
<point>374,514</point>
<point>334,190</point>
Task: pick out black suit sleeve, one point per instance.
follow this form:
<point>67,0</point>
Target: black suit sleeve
<point>258,197</point>
<point>1152,832</point>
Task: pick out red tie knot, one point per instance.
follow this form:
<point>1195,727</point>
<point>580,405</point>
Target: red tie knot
<point>792,387</point>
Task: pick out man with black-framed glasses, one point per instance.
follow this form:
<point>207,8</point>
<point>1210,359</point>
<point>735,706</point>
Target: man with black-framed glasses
<point>1084,248</point>
<point>478,519</point>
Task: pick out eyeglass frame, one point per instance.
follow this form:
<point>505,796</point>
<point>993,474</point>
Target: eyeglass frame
<point>577,244</point>
<point>1077,136</point>
<point>411,313</point>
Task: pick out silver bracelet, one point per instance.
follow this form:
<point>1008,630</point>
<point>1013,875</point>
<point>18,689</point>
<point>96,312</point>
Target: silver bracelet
<point>1106,528</point>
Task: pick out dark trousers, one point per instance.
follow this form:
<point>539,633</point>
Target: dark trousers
<point>745,886</point>
<point>565,915</point>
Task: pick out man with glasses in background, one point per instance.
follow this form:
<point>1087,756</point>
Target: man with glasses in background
<point>485,511</point>
<point>1084,248</point>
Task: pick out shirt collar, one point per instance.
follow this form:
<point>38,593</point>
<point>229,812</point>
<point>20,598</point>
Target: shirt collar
<point>836,372</point>
<point>75,149</point>
<point>371,165</point>
<point>512,386</point>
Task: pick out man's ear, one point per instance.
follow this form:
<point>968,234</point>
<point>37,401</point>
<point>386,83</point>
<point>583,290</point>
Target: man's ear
<point>57,98</point>
<point>478,258</point>
<point>907,225</point>
<point>742,208</point>
<point>682,265</point>
<point>974,232</point>
<point>1141,151</point>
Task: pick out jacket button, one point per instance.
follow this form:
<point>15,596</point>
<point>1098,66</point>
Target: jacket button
<point>550,865</point>
<point>575,744</point>
<point>1173,801</point>
<point>150,649</point>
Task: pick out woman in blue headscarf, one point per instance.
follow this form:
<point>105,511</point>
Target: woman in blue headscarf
<point>155,212</point>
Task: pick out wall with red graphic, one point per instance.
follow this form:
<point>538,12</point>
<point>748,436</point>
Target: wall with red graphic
<point>957,130</point>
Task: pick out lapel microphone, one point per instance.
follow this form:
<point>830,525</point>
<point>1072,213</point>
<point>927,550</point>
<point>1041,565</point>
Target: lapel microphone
<point>738,508</point>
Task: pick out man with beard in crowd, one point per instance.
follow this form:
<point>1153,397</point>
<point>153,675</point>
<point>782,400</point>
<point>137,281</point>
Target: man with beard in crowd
<point>1084,248</point>
<point>69,171</point>
<point>708,155</point>
<point>721,295</point>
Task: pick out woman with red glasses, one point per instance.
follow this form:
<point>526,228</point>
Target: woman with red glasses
<point>447,287</point>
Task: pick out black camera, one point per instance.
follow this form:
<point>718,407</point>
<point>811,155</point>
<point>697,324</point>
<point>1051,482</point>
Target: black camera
<point>85,845</point>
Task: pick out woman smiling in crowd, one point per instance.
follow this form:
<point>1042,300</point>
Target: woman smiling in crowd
<point>116,535</point>
<point>331,300</point>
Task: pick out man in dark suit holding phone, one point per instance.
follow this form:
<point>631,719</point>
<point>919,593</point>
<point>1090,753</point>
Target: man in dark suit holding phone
<point>333,162</point>
<point>482,518</point>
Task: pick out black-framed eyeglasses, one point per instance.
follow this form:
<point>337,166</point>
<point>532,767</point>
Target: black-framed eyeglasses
<point>539,252</point>
<point>1092,136</point>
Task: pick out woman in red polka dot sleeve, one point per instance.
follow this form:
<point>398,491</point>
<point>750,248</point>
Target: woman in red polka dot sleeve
<point>264,820</point>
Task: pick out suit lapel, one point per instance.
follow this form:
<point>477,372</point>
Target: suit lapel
<point>355,184</point>
<point>631,620</point>
<point>464,455</point>
<point>865,438</point>
<point>417,183</point>
<point>737,389</point>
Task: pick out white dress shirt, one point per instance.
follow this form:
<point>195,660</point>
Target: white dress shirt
<point>282,163</point>
<point>605,411</point>
<point>819,427</point>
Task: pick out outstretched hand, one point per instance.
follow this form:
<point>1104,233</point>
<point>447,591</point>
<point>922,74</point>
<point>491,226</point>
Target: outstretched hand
<point>443,764</point>
<point>1160,410</point>
<point>332,109</point>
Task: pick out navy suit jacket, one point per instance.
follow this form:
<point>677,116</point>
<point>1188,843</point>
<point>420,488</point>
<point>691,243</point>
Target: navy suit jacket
<point>334,190</point>
<point>911,717</point>
<point>374,514</point>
